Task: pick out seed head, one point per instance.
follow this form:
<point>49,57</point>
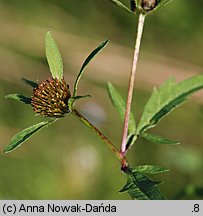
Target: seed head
<point>51,97</point>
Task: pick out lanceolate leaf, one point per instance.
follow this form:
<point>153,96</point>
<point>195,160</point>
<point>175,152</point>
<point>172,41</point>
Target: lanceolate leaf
<point>148,186</point>
<point>120,105</point>
<point>25,134</point>
<point>87,61</point>
<point>169,96</point>
<point>121,5</point>
<point>19,97</point>
<point>53,57</point>
<point>29,82</point>
<point>141,187</point>
<point>149,169</point>
<point>158,139</point>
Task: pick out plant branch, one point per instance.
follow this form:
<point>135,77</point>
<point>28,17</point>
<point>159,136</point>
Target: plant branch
<point>102,136</point>
<point>131,83</point>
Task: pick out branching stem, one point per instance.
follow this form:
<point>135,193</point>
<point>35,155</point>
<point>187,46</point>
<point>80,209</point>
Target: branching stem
<point>131,83</point>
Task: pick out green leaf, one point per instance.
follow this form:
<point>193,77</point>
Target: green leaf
<point>141,187</point>
<point>53,57</point>
<point>25,134</point>
<point>132,189</point>
<point>158,139</point>
<point>29,82</point>
<point>149,169</point>
<point>121,5</point>
<point>147,186</point>
<point>120,105</point>
<point>132,137</point>
<point>19,97</point>
<point>87,61</point>
<point>159,4</point>
<point>169,96</point>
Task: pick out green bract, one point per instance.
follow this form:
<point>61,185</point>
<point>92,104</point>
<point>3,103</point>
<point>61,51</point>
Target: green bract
<point>53,57</point>
<point>19,97</point>
<point>25,134</point>
<point>86,62</point>
<point>141,6</point>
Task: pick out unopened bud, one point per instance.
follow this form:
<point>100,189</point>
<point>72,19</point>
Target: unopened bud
<point>148,5</point>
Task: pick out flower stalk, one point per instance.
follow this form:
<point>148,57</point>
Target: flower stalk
<point>131,83</point>
<point>110,145</point>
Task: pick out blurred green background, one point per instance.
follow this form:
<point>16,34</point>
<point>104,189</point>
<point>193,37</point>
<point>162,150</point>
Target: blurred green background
<point>67,161</point>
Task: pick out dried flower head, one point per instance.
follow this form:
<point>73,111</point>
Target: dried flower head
<point>51,98</point>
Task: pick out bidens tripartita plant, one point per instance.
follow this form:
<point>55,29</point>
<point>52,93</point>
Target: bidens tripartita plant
<point>53,99</point>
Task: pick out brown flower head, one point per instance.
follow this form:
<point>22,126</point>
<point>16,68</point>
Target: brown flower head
<point>51,98</point>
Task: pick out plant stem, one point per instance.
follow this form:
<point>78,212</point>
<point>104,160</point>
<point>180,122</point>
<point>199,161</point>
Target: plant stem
<point>102,136</point>
<point>131,83</point>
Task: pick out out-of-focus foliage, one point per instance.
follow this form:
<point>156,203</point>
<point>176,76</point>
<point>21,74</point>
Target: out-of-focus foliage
<point>62,163</point>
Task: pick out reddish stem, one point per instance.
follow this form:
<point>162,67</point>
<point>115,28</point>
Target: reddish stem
<point>131,83</point>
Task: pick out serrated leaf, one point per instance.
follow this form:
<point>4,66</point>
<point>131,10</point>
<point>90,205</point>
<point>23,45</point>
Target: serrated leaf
<point>121,5</point>
<point>29,82</point>
<point>148,187</point>
<point>127,186</point>
<point>169,96</point>
<point>132,189</point>
<point>150,169</point>
<point>141,187</point>
<point>143,181</point>
<point>19,97</point>
<point>25,134</point>
<point>86,62</point>
<point>120,105</point>
<point>158,139</point>
<point>53,57</point>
